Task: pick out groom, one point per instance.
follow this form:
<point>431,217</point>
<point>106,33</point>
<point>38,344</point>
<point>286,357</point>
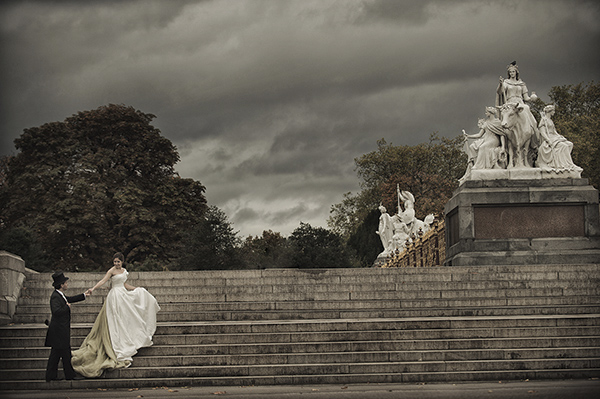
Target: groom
<point>58,336</point>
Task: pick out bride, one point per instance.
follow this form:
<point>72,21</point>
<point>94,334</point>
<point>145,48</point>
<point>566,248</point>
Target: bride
<point>126,323</point>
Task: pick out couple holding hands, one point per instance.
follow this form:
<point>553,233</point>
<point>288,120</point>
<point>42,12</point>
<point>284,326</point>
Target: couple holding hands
<point>126,323</point>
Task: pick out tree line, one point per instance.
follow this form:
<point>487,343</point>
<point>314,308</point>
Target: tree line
<point>104,181</point>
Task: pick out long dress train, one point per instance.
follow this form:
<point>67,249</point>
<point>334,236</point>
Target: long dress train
<point>126,323</point>
<point>96,353</point>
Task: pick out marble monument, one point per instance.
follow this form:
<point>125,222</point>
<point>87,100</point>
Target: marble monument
<point>521,199</point>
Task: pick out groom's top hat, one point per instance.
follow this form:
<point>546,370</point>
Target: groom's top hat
<point>58,278</point>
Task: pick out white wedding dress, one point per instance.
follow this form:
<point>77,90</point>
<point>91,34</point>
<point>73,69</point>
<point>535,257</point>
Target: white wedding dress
<point>131,317</point>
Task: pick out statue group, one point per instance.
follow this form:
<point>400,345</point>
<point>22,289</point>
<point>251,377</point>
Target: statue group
<point>397,231</point>
<point>510,137</point>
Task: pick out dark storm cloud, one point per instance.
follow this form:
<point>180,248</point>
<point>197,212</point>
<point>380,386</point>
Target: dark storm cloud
<point>269,102</point>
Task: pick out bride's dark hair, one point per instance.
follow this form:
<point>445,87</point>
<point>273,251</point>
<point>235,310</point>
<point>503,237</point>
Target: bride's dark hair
<point>119,256</point>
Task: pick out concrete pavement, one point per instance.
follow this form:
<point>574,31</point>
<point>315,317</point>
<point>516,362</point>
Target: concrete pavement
<point>553,389</point>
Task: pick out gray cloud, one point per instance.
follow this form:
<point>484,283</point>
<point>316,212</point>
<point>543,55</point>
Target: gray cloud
<point>269,102</point>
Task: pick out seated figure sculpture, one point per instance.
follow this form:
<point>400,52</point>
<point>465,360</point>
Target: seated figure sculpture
<point>555,151</point>
<point>488,150</point>
<point>517,120</point>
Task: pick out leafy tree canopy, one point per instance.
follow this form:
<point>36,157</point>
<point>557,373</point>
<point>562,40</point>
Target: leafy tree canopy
<point>271,250</point>
<point>101,181</point>
<point>577,118</point>
<point>316,247</point>
<point>210,244</point>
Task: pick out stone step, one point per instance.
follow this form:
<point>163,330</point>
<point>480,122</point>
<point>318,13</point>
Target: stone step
<point>345,277</point>
<point>78,283</point>
<point>431,377</point>
<point>342,301</point>
<point>212,327</point>
<point>380,293</point>
<point>259,370</point>
<point>337,276</point>
<point>289,326</point>
<point>334,357</point>
<point>407,346</point>
<point>336,336</point>
<point>339,314</point>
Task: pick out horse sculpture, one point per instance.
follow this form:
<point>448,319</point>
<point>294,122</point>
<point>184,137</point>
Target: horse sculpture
<point>521,133</point>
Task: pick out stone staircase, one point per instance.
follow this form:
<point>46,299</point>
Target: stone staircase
<point>334,326</point>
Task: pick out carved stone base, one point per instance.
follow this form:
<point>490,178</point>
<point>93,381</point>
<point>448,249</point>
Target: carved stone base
<point>523,221</point>
<point>520,173</point>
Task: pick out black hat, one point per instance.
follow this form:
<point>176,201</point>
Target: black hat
<point>58,278</point>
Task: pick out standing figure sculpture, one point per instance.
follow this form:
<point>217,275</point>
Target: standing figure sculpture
<point>397,231</point>
<point>488,151</point>
<point>555,150</point>
<point>517,118</point>
<point>385,231</point>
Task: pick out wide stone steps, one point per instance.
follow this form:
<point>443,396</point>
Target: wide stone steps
<point>332,357</point>
<point>345,348</point>
<point>334,326</point>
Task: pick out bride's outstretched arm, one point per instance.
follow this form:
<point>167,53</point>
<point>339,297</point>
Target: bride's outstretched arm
<point>104,280</point>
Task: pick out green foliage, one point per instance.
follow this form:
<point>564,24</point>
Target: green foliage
<point>577,118</point>
<point>150,264</point>
<point>211,244</point>
<point>22,241</point>
<point>101,181</point>
<point>316,247</point>
<point>271,250</point>
<point>365,243</point>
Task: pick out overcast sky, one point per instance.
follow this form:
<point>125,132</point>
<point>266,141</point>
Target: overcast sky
<point>269,102</point>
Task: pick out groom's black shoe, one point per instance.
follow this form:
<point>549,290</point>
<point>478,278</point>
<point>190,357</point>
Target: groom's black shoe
<point>77,377</point>
<point>54,379</point>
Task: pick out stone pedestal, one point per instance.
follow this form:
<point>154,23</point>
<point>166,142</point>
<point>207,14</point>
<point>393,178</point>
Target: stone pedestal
<point>12,275</point>
<point>523,221</point>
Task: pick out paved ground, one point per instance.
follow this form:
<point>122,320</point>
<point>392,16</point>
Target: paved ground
<point>571,389</point>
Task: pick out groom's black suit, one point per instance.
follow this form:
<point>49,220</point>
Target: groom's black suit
<point>58,336</point>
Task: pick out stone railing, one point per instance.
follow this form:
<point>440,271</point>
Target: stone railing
<point>427,250</point>
<point>12,275</point>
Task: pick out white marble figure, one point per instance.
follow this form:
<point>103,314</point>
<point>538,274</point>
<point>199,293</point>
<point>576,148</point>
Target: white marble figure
<point>404,225</point>
<point>517,119</point>
<point>512,145</point>
<point>401,234</point>
<point>385,231</point>
<point>488,150</point>
<point>555,151</point>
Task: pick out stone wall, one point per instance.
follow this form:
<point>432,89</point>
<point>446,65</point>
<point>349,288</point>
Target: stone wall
<point>12,275</point>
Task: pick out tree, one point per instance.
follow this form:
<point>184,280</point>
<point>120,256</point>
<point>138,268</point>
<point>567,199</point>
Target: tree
<point>23,242</point>
<point>271,250</point>
<point>364,242</point>
<point>99,182</point>
<point>430,171</point>
<point>211,244</point>
<point>316,247</point>
<point>577,118</point>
